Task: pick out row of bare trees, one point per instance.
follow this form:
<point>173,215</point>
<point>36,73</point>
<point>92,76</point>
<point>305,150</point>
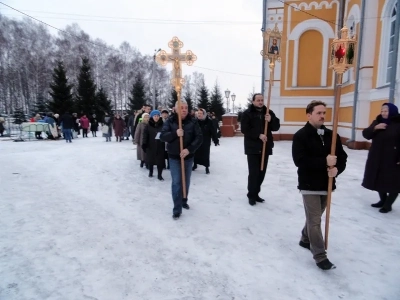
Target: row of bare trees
<point>28,55</point>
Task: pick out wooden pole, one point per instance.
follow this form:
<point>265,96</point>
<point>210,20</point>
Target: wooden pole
<point>271,78</point>
<point>333,152</point>
<point>178,112</point>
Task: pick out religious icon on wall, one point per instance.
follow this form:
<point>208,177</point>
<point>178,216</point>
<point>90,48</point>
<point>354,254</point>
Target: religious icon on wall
<point>274,45</point>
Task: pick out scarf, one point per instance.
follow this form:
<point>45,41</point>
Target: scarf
<point>393,111</point>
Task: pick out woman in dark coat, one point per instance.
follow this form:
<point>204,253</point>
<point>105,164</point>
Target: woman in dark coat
<point>202,155</point>
<point>152,145</point>
<point>382,169</point>
<point>94,125</point>
<point>119,125</point>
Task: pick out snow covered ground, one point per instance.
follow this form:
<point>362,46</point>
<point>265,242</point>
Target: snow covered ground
<point>83,221</point>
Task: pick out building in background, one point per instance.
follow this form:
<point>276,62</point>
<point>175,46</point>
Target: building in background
<point>308,28</point>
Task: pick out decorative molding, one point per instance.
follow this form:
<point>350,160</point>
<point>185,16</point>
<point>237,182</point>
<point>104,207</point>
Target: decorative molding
<point>315,5</point>
<point>327,33</point>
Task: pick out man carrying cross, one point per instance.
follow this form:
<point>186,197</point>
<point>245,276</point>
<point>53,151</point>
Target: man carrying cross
<point>192,139</point>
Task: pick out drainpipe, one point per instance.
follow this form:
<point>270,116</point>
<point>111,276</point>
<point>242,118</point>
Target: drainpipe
<point>357,82</point>
<point>395,53</point>
<point>264,25</point>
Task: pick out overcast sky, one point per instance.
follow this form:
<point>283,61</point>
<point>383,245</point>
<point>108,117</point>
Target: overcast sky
<point>227,37</point>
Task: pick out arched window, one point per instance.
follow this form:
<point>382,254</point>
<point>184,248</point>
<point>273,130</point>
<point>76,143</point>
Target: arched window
<point>386,54</point>
<point>391,43</point>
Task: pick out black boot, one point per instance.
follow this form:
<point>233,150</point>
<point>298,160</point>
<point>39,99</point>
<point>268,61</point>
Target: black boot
<point>142,164</point>
<point>160,169</point>
<point>252,202</point>
<point>207,170</point>
<point>382,197</point>
<point>387,207</point>
<point>150,170</point>
<point>194,167</point>
<point>326,265</point>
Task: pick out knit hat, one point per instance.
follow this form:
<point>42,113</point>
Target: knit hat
<point>155,112</point>
<point>165,111</point>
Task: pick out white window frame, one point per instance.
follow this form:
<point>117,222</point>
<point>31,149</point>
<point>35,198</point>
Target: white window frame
<point>386,19</point>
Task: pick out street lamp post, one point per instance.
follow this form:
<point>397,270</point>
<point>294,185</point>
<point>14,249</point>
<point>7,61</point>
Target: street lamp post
<point>233,102</point>
<point>227,94</point>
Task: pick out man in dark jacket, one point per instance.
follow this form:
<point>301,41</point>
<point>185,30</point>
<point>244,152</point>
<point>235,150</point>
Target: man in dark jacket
<point>252,126</point>
<point>67,123</point>
<point>192,139</point>
<point>311,155</point>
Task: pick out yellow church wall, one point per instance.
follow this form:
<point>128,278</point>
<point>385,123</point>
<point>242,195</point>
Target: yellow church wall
<point>346,114</point>
<point>305,78</point>
<point>295,114</point>
<point>375,109</point>
<point>310,59</point>
<point>378,42</point>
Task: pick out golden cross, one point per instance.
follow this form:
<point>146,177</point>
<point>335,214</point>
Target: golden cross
<point>176,57</point>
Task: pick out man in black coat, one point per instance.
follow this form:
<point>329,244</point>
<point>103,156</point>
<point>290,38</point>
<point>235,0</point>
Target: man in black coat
<point>311,155</point>
<point>192,139</point>
<point>252,126</point>
<point>68,123</point>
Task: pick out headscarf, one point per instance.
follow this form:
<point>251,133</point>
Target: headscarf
<point>393,111</point>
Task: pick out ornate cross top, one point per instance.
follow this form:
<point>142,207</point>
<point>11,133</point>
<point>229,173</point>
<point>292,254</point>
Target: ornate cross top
<point>176,57</point>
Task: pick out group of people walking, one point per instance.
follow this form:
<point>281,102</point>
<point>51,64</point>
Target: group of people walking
<point>153,150</point>
<point>310,153</point>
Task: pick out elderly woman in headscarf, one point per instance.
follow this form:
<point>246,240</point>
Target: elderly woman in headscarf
<point>382,169</point>
<point>202,155</point>
<point>152,145</point>
<point>141,155</point>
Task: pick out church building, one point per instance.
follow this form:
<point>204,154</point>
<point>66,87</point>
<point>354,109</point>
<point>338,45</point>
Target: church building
<point>308,28</point>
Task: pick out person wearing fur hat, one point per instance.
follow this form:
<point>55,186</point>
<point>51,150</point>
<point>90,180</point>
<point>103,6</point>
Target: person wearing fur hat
<point>139,132</point>
<point>202,155</point>
<point>192,139</point>
<point>152,145</point>
<point>382,169</point>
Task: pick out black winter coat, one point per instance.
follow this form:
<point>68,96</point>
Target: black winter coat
<point>252,125</point>
<point>202,156</point>
<point>67,121</point>
<point>192,137</point>
<point>153,147</point>
<point>309,155</point>
<point>382,171</point>
<point>94,124</point>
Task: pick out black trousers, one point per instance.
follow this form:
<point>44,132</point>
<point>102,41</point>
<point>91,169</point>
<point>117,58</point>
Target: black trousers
<point>256,176</point>
<point>160,168</point>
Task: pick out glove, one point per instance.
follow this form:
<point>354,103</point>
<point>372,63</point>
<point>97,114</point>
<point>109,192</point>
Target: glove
<point>144,147</point>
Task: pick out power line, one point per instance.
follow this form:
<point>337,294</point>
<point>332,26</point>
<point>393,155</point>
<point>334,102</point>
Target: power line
<point>141,21</point>
<point>226,72</point>
<point>151,20</point>
<point>112,48</point>
<point>56,27</point>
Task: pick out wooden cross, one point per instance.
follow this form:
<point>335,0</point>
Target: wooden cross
<point>176,57</point>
